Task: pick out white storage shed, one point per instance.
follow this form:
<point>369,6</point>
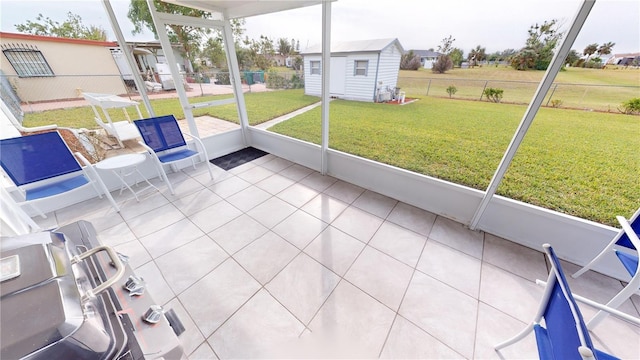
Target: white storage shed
<point>359,69</point>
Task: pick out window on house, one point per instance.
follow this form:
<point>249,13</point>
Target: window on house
<point>361,68</point>
<point>315,67</point>
<point>27,60</point>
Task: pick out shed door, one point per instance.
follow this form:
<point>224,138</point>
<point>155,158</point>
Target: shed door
<point>338,75</point>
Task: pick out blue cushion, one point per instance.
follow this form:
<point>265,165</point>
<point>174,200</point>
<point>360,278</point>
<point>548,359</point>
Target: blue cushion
<point>29,159</point>
<point>177,155</point>
<point>629,261</point>
<point>545,349</point>
<point>56,187</point>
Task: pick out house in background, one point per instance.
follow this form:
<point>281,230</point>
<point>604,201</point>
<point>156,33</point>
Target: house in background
<point>151,63</point>
<point>360,70</point>
<point>44,68</point>
<point>427,57</point>
<point>632,59</point>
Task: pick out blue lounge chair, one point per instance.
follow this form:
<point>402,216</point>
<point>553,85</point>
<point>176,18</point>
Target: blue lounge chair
<point>42,166</point>
<point>564,334</point>
<point>164,141</point>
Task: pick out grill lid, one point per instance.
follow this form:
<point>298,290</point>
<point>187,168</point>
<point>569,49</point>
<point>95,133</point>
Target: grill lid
<point>30,324</point>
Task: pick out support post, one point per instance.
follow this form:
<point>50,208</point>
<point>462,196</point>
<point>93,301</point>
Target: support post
<point>234,76</point>
<point>326,61</point>
<point>173,66</point>
<point>137,78</point>
<point>553,69</point>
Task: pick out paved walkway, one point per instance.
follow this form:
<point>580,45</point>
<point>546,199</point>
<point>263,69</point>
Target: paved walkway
<point>270,123</point>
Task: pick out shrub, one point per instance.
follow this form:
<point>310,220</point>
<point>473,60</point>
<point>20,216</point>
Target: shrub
<point>223,78</point>
<point>443,64</point>
<point>630,107</point>
<point>297,81</point>
<point>410,61</point>
<point>556,103</point>
<point>493,94</point>
<point>452,90</point>
<point>276,81</point>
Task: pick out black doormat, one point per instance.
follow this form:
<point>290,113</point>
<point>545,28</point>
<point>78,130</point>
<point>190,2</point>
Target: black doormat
<point>238,158</point>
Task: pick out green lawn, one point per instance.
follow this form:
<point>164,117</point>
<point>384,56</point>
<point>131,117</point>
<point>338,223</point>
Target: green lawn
<point>577,88</point>
<point>261,107</point>
<point>576,162</point>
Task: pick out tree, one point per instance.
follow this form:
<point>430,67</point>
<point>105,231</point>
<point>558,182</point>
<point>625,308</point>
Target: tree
<point>260,52</point>
<point>476,55</point>
<point>456,55</point>
<point>444,61</point>
<point>71,28</point>
<point>410,61</point>
<point>539,47</point>
<point>187,36</point>
<point>214,51</point>
<point>285,48</point>
<point>572,57</point>
<point>590,50</point>
<point>606,48</point>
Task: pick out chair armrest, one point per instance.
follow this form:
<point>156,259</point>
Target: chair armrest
<point>197,139</point>
<point>37,128</point>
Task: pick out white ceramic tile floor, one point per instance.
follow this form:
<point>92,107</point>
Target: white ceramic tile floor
<point>273,259</point>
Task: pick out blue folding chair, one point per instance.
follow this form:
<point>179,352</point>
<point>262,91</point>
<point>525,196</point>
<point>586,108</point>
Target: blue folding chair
<point>164,141</point>
<point>626,246</point>
<point>42,166</point>
<point>564,335</point>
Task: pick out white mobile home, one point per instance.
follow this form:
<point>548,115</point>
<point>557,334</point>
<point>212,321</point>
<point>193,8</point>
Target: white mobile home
<point>359,69</point>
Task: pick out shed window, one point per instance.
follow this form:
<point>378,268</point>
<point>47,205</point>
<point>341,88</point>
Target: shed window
<point>315,67</point>
<point>361,68</point>
<point>27,60</point>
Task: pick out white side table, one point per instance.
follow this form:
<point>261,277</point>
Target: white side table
<point>124,166</point>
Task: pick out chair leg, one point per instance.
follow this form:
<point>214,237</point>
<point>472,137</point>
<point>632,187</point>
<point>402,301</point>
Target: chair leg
<point>106,193</point>
<point>166,179</point>
<point>516,338</point>
<point>616,301</point>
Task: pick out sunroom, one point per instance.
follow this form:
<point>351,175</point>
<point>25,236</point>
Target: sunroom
<point>314,252</point>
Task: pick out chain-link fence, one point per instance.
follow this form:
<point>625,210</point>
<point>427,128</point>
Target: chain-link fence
<point>564,95</point>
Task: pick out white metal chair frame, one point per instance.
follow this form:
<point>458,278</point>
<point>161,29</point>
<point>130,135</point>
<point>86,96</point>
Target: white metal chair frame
<point>634,284</point>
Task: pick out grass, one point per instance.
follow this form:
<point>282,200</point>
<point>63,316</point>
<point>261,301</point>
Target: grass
<point>261,107</point>
<point>579,163</point>
<point>578,88</point>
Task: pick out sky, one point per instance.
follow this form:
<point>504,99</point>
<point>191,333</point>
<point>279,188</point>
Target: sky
<point>418,24</point>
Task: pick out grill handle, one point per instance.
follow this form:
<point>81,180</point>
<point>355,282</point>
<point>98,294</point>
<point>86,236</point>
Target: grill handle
<point>114,258</point>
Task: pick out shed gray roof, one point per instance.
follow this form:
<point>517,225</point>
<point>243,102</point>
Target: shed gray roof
<point>373,45</point>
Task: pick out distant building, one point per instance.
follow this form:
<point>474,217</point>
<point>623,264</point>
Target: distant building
<point>427,57</point>
<point>360,70</point>
<point>631,59</point>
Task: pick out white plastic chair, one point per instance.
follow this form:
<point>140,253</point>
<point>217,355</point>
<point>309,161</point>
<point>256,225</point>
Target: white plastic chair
<point>625,245</point>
